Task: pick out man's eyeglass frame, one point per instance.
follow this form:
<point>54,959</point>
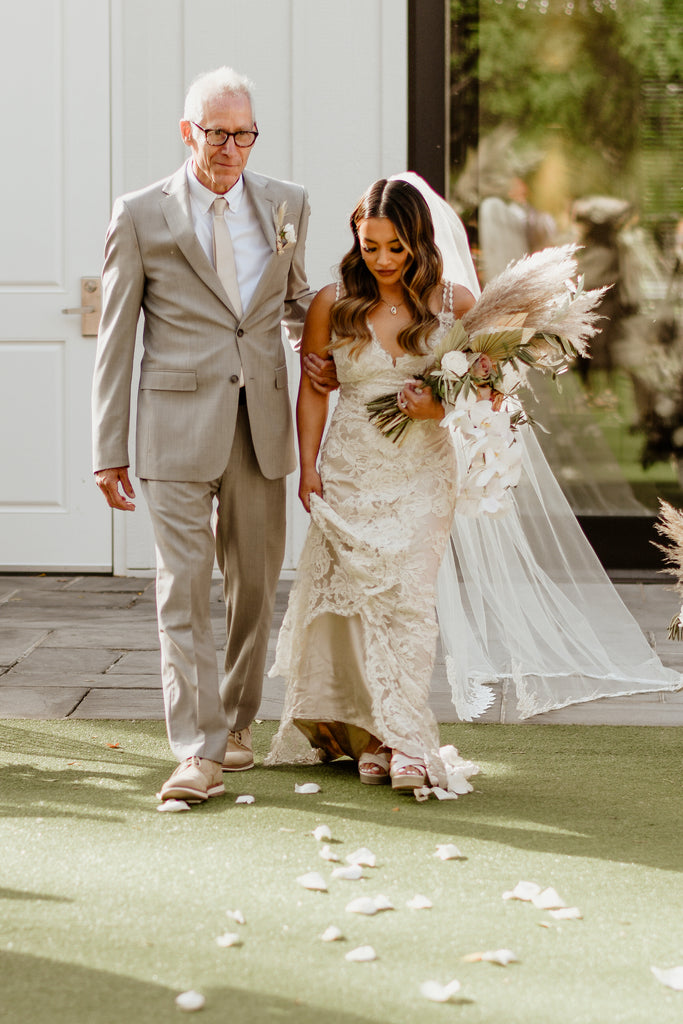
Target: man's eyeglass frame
<point>253,133</point>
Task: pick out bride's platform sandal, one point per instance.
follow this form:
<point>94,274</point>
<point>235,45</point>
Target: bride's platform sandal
<point>407,773</point>
<point>373,768</point>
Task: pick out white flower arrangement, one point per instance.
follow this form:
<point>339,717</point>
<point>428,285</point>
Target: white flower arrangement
<point>285,234</point>
<point>533,315</point>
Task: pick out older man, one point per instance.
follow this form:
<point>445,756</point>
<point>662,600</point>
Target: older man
<point>214,258</point>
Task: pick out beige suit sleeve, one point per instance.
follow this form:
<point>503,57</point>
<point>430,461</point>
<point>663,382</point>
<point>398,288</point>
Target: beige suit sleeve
<point>123,283</point>
<point>299,294</point>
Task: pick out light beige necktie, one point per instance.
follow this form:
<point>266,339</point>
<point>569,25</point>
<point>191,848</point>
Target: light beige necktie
<point>224,256</point>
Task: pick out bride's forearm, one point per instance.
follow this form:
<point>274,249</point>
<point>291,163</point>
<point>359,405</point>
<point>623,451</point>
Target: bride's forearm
<point>311,416</point>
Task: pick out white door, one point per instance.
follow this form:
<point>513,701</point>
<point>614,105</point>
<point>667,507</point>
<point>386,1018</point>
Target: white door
<point>54,207</point>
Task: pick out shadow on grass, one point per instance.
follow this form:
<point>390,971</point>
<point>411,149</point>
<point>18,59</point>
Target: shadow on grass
<point>36,989</point>
<point>604,792</point>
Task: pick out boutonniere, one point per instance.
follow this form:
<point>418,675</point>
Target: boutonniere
<point>284,233</point>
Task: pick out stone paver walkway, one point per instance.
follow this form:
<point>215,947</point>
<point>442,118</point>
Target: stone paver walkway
<point>87,647</point>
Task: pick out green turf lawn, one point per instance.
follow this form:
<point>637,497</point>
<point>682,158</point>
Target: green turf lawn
<point>109,909</point>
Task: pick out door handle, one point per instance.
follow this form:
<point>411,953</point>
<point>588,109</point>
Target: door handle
<point>91,308</point>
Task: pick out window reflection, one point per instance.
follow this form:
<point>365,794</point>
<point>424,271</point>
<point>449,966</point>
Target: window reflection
<point>567,125</point>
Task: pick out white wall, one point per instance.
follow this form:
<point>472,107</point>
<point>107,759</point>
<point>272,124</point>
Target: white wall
<point>331,106</point>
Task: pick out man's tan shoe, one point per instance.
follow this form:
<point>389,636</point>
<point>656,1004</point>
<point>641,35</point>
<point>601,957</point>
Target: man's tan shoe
<point>239,753</point>
<point>194,780</point>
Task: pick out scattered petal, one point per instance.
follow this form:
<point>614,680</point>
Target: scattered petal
<point>190,1001</point>
<point>237,916</point>
<point>419,903</point>
<point>351,873</point>
<point>566,914</point>
<point>327,853</point>
<point>173,805</point>
<point>422,794</point>
<point>382,903</point>
<point>332,934</point>
<point>361,955</point>
<point>548,899</point>
<point>363,856</point>
<point>313,880</point>
<point>228,939</point>
<point>246,799</point>
<point>523,891</point>
<point>672,978</point>
<point>446,794</point>
<point>448,851</point>
<point>307,787</point>
<point>500,956</point>
<point>362,905</point>
<point>439,993</point>
<point>114,746</point>
<point>322,832</point>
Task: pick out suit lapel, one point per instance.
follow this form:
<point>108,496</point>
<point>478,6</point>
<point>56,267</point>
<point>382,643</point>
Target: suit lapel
<point>175,206</point>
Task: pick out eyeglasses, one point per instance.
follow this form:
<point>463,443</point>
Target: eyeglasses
<point>219,137</point>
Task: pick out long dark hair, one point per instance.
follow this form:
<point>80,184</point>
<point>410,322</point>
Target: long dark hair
<point>407,210</point>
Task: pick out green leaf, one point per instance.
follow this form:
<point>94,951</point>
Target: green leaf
<point>456,338</point>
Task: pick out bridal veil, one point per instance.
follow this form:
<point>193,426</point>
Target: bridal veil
<point>526,612</point>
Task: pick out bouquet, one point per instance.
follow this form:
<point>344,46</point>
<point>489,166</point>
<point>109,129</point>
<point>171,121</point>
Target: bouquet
<point>533,315</point>
<point>670,526</point>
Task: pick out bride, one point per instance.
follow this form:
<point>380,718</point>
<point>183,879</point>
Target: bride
<point>523,602</point>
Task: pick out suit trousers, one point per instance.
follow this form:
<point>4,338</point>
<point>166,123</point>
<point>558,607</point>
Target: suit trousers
<point>249,544</point>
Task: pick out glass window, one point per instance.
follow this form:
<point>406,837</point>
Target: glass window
<point>566,120</point>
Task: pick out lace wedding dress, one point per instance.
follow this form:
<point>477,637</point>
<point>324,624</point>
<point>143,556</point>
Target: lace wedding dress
<point>358,640</point>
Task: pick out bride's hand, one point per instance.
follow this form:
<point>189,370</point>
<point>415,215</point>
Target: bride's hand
<point>309,483</point>
<point>494,397</point>
<point>417,401</point>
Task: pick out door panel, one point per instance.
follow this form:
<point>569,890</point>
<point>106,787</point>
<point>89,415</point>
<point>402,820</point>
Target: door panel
<point>53,210</point>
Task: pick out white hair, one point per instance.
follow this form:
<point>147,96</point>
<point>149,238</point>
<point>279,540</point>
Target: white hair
<point>213,84</point>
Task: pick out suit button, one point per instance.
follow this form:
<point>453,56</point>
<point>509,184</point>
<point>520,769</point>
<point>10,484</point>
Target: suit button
<point>239,332</point>
<point>234,378</point>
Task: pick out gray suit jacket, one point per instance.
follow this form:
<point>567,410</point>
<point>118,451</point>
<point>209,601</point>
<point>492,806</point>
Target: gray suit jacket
<point>193,341</point>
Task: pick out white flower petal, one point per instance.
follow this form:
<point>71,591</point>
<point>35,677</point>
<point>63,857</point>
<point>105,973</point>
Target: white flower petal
<point>439,993</point>
<point>245,799</point>
<point>566,914</point>
<point>548,899</point>
<point>448,851</point>
<point>173,805</point>
<point>307,787</point>
<point>237,916</point>
<point>332,934</point>
<point>419,902</point>
<point>190,1000</point>
<point>523,891</point>
<point>382,903</point>
<point>313,880</point>
<point>351,873</point>
<point>361,955</point>
<point>500,956</point>
<point>362,905</point>
<point>322,832</point>
<point>672,978</point>
<point>362,856</point>
<point>327,854</point>
<point>447,794</point>
<point>228,939</point>
<point>422,794</point>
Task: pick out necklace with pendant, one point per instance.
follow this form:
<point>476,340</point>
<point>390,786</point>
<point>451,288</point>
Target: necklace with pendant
<point>393,308</point>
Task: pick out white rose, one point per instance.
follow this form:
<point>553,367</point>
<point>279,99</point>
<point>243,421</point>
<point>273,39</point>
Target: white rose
<point>455,362</point>
<point>289,233</point>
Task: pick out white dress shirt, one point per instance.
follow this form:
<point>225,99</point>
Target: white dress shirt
<point>248,241</point>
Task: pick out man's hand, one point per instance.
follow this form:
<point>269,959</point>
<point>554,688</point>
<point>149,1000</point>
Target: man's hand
<point>108,481</point>
<point>321,372</point>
